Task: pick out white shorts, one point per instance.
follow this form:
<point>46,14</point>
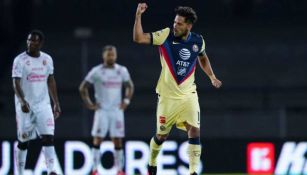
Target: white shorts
<point>109,120</point>
<point>36,122</point>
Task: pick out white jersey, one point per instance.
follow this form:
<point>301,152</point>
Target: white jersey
<point>33,73</point>
<point>108,84</point>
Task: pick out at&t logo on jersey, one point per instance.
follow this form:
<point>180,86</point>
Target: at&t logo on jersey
<point>184,54</point>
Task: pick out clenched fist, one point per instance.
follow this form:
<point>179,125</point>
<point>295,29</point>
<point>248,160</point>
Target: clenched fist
<point>141,9</point>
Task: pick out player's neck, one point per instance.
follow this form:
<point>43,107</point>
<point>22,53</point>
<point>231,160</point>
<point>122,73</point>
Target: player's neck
<point>34,54</point>
<point>185,37</point>
<point>109,65</point>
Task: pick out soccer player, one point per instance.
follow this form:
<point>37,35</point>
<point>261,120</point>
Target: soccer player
<point>33,81</point>
<point>108,79</point>
<point>179,50</point>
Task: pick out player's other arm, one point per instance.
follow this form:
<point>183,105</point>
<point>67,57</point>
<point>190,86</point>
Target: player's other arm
<point>206,67</point>
<point>54,96</point>
<point>138,35</point>
<point>83,89</point>
<point>129,90</point>
<point>20,95</point>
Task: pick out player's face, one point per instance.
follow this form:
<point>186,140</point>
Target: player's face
<point>181,28</point>
<point>33,43</point>
<point>109,56</point>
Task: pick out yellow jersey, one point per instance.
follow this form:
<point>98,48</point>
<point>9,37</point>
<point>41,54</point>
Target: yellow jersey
<point>178,59</point>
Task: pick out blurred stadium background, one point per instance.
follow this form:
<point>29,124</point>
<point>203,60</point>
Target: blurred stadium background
<point>258,48</point>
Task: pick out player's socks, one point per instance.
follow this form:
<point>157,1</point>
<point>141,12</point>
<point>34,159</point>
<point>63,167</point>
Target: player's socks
<point>119,159</point>
<point>20,156</point>
<point>152,170</point>
<point>155,147</point>
<point>49,154</point>
<point>96,156</point>
<point>194,150</point>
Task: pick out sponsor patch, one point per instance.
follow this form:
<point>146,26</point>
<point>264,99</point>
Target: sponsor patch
<point>181,71</point>
<point>184,54</point>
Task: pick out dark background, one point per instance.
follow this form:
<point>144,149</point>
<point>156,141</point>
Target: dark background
<point>257,48</point>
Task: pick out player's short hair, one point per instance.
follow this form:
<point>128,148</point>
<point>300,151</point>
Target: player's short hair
<point>108,48</point>
<point>187,12</point>
<point>39,33</point>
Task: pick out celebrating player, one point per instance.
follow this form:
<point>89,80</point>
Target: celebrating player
<point>178,100</point>
<point>108,79</point>
<point>33,81</point>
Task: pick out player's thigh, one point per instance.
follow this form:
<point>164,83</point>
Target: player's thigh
<point>190,113</point>
<point>25,126</point>
<point>117,123</point>
<point>167,113</point>
<point>45,121</point>
<point>100,124</point>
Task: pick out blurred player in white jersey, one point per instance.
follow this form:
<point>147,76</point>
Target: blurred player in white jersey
<point>33,81</point>
<point>108,79</point>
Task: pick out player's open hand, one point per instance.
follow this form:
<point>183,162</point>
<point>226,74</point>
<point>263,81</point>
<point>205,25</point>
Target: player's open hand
<point>56,111</point>
<point>216,83</point>
<point>141,9</point>
<point>25,107</point>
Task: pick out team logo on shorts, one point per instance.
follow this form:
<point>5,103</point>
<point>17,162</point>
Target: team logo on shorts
<point>119,124</point>
<point>162,128</point>
<point>26,135</point>
<point>195,48</point>
<point>50,122</point>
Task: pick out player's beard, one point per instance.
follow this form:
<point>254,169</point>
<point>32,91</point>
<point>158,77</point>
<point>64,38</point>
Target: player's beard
<point>110,63</point>
<point>182,34</point>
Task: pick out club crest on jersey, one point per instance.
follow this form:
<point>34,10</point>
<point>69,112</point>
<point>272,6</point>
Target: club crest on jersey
<point>195,48</point>
<point>44,62</point>
<point>181,71</point>
<point>184,54</point>
<point>28,62</point>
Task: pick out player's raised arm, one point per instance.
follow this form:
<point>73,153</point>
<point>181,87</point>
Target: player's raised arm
<point>83,89</point>
<point>138,35</point>
<point>20,95</point>
<point>54,96</point>
<point>206,67</point>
